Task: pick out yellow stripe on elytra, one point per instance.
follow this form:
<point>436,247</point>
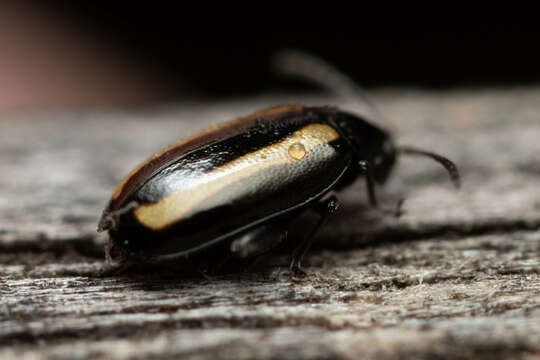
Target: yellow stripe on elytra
<point>178,205</point>
<point>263,113</point>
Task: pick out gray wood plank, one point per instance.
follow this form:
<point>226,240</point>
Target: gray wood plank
<point>456,276</point>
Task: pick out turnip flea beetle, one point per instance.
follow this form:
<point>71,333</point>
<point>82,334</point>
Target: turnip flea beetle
<point>242,181</point>
<point>237,179</point>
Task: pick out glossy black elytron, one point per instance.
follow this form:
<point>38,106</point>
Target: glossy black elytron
<point>233,182</point>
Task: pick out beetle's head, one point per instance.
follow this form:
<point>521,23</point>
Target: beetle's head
<point>375,145</point>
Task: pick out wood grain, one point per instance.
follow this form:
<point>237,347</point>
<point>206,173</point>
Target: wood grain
<point>456,277</point>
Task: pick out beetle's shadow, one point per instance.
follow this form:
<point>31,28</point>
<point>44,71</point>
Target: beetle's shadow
<point>208,267</point>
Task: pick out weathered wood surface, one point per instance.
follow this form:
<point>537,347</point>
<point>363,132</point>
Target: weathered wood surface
<point>456,277</point>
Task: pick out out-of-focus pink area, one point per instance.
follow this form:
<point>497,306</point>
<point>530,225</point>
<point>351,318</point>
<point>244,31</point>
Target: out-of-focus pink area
<point>46,62</point>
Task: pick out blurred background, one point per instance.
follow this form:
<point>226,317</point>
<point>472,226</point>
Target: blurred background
<point>83,55</point>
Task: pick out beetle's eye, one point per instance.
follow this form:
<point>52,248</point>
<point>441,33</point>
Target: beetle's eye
<point>125,242</point>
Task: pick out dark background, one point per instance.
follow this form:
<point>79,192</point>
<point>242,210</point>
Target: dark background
<point>135,54</point>
<point>220,59</point>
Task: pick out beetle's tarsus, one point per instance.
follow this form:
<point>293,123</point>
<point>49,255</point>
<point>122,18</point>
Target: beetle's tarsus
<point>297,270</point>
<point>325,208</point>
<point>395,212</point>
<point>399,208</point>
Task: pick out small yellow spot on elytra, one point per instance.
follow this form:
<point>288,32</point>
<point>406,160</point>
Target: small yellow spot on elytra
<point>297,151</point>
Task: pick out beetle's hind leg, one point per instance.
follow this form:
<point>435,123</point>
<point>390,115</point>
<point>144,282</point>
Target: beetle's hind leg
<point>257,241</point>
<point>324,208</point>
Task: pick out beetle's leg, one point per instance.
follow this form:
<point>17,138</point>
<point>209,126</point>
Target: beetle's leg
<point>262,255</point>
<point>254,243</point>
<point>370,184</point>
<point>257,241</point>
<point>325,208</point>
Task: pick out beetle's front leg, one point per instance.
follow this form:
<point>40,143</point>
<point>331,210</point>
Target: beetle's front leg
<point>325,208</point>
<point>370,184</point>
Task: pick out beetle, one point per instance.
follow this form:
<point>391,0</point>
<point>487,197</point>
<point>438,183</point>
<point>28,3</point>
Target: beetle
<point>241,182</point>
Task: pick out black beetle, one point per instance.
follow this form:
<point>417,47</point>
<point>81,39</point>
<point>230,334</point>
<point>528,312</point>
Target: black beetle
<point>237,180</point>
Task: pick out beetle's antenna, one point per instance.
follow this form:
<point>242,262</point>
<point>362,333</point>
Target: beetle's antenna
<point>314,69</point>
<point>448,164</point>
